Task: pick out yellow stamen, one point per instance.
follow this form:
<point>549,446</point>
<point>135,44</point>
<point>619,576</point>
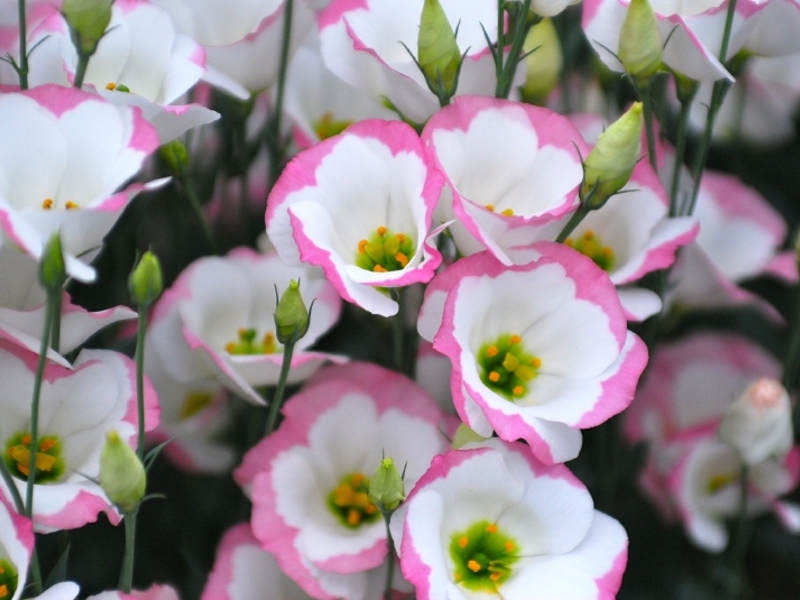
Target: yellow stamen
<point>230,347</point>
<point>492,528</point>
<point>3,591</point>
<point>510,362</point>
<point>381,230</point>
<point>463,542</point>
<point>111,86</point>
<point>473,566</point>
<point>70,205</point>
<point>588,235</point>
<point>607,251</point>
<point>509,546</point>
<point>361,500</point>
<point>515,339</point>
<point>569,241</point>
<point>490,207</point>
<point>46,445</point>
<point>495,576</point>
<point>508,212</point>
<point>47,204</point>
<point>371,509</point>
<point>343,495</point>
<point>536,362</point>
<point>353,517</point>
<point>379,269</point>
<point>400,237</point>
<point>362,246</point>
<point>402,259</point>
<point>26,439</point>
<point>518,390</point>
<point>494,376</point>
<point>492,351</point>
<point>358,479</point>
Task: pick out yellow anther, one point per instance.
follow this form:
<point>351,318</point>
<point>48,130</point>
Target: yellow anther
<point>230,347</point>
<point>361,500</point>
<point>492,528</point>
<point>353,517</point>
<point>495,576</point>
<point>588,235</point>
<point>492,351</point>
<point>525,372</point>
<point>510,362</point>
<point>47,204</point>
<point>569,241</point>
<point>379,269</point>
<point>515,339</point>
<point>3,591</point>
<point>536,362</point>
<point>70,205</point>
<point>490,207</point>
<point>473,566</point>
<point>381,230</point>
<point>463,542</point>
<point>362,245</point>
<point>111,86</point>
<point>47,445</point>
<point>402,259</point>
<point>509,546</point>
<point>508,212</point>
<point>518,390</point>
<point>371,509</point>
<point>494,376</point>
<point>607,251</point>
<point>357,479</point>
<point>400,237</point>
<point>26,439</point>
<point>343,495</point>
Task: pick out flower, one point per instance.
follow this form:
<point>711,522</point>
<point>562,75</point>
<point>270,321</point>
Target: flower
<point>360,205</point>
<point>539,352</point>
<point>496,521</point>
<point>216,322</point>
<point>16,547</point>
<point>308,481</point>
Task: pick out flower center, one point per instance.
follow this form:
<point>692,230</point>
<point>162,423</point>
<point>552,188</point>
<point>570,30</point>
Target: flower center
<point>194,403</point>
<point>506,367</point>
<point>384,251</point>
<point>483,556</point>
<point>49,464</point>
<point>507,212</point>
<point>119,87</point>
<point>350,503</point>
<point>326,127</point>
<point>592,246</point>
<point>47,204</point>
<point>8,580</point>
<point>720,481</point>
<point>247,343</point>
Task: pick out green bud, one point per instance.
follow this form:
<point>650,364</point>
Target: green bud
<point>640,41</point>
<point>437,49</point>
<point>87,21</point>
<point>386,486</point>
<point>176,157</point>
<point>464,435</point>
<point>145,284</point>
<point>122,474</point>
<point>52,273</point>
<point>291,314</point>
<point>544,64</point>
<point>610,164</point>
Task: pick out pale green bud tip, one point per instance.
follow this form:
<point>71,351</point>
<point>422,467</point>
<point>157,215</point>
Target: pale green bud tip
<point>640,41</point>
<point>145,283</point>
<point>545,62</point>
<point>122,475</point>
<point>87,21</point>
<point>291,314</point>
<point>610,164</point>
<point>175,155</point>
<point>52,272</point>
<point>464,435</point>
<point>386,487</point>
<point>437,49</point>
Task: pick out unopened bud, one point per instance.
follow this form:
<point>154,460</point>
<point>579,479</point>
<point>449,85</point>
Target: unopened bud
<point>122,475</point>
<point>386,487</point>
<point>291,315</point>
<point>544,63</point>
<point>145,283</point>
<point>759,423</point>
<point>52,272</point>
<point>437,50</point>
<point>640,41</point>
<point>175,156</point>
<point>87,20</point>
<point>610,164</point>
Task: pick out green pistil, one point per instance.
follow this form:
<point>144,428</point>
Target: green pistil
<point>506,368</point>
<point>326,127</point>
<point>247,343</point>
<point>350,503</point>
<point>49,464</point>
<point>194,403</point>
<point>592,246</point>
<point>483,557</point>
<point>9,580</point>
<point>384,251</point>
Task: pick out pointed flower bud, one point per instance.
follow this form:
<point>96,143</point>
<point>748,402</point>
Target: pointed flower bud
<point>145,283</point>
<point>610,164</point>
<point>52,273</point>
<point>291,314</point>
<point>87,21</point>
<point>439,56</point>
<point>386,486</point>
<point>175,156</point>
<point>122,474</point>
<point>640,41</point>
<point>544,64</point>
<point>759,423</point>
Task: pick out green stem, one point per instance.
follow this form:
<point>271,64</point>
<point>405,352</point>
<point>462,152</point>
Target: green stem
<point>646,96</point>
<point>80,71</point>
<point>501,40</point>
<point>55,334</point>
<point>8,479</point>
<point>521,29</point>
<point>277,398</point>
<point>398,332</point>
<point>126,574</point>
<point>740,541</point>
<point>574,221</point>
<point>22,69</point>
<point>140,331</point>
<point>198,211</point>
<point>274,139</point>
<point>390,556</point>
<point>680,148</point>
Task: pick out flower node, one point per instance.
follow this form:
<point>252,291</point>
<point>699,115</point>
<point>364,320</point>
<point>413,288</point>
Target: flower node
<point>49,464</point>
<point>483,557</point>
<point>384,251</point>
<point>506,367</point>
<point>350,502</point>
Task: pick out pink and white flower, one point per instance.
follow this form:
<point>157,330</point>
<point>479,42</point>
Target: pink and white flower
<point>539,351</point>
<point>216,322</point>
<point>306,481</point>
<point>360,205</point>
<point>535,523</point>
<point>16,548</point>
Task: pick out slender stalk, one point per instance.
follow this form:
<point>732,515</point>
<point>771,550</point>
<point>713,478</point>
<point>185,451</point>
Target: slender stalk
<point>646,96</point>
<point>126,574</point>
<point>577,217</point>
<point>55,334</point>
<point>277,398</point>
<point>390,556</point>
<point>8,479</point>
<point>510,68</point>
<point>22,68</point>
<point>140,331</point>
<point>740,541</point>
<point>501,39</point>
<point>680,148</point>
<point>80,70</point>
<point>198,210</point>
<point>398,332</point>
<point>275,144</point>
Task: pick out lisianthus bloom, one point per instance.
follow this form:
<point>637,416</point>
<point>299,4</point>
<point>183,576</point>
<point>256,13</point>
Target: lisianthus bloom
<point>154,592</point>
<point>496,522</point>
<point>217,322</point>
<point>308,481</point>
<point>539,351</point>
<point>65,155</point>
<point>360,205</point>
<point>513,171</point>
<point>77,408</point>
<point>16,547</point>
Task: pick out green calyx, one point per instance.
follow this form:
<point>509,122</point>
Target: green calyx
<point>385,251</point>
<point>592,246</point>
<point>248,344</point>
<point>506,367</point>
<point>483,557</point>
<point>9,579</point>
<point>49,464</point>
<point>350,502</point>
<point>327,127</point>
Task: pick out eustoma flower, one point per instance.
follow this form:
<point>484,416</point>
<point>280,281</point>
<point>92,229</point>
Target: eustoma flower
<point>360,205</point>
<point>539,352</point>
<point>496,522</point>
<point>16,547</point>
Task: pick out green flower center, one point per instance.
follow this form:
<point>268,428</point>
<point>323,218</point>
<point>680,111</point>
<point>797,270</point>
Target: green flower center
<point>49,464</point>
<point>719,481</point>
<point>483,557</point>
<point>506,367</point>
<point>350,503</point>
<point>592,246</point>
<point>384,251</point>
<point>247,343</point>
<point>194,403</point>
<point>8,580</point>
<point>326,127</point>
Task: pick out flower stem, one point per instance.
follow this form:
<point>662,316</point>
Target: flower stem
<point>740,541</point>
<point>8,479</point>
<point>275,144</point>
<point>521,28</point>
<point>140,331</point>
<point>390,555</point>
<point>578,216</point>
<point>55,333</point>
<point>198,210</point>
<point>126,574</point>
<point>22,68</point>
<point>277,397</point>
<point>80,70</point>
<point>680,148</point>
<point>398,333</point>
<point>646,96</point>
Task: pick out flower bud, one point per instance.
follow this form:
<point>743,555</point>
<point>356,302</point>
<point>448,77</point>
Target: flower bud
<point>544,64</point>
<point>439,56</point>
<point>87,20</point>
<point>291,315</point>
<point>610,164</point>
<point>640,41</point>
<point>145,284</point>
<point>122,474</point>
<point>759,423</point>
<point>386,486</point>
<point>175,156</point>
<point>52,272</point>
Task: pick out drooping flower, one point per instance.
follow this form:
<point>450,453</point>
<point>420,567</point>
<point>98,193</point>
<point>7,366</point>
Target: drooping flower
<point>496,522</point>
<point>308,481</point>
<point>360,205</point>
